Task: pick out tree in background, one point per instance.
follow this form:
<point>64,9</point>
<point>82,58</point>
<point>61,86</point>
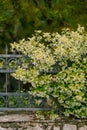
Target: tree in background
<point>19,18</point>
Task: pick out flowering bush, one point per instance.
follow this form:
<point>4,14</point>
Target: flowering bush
<point>56,66</point>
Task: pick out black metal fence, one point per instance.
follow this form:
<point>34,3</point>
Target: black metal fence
<point>12,98</point>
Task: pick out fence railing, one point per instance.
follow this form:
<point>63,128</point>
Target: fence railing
<point>12,97</point>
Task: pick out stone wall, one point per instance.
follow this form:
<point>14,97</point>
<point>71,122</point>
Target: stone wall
<point>26,121</point>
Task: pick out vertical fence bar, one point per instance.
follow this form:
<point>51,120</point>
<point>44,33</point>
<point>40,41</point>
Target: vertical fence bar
<point>6,76</point>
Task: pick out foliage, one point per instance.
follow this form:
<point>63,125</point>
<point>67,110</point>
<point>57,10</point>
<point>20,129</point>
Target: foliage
<point>19,19</point>
<point>46,115</point>
<point>56,66</point>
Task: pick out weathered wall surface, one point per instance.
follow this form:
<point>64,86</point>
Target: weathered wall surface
<point>27,122</point>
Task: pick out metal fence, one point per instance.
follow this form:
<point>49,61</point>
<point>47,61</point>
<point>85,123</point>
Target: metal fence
<point>12,98</point>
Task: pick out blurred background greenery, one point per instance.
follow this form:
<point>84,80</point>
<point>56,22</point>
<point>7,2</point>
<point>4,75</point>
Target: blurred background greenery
<point>20,18</point>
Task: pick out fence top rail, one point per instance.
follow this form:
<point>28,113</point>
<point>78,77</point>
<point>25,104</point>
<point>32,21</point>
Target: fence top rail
<point>7,70</point>
<point>10,56</point>
<point>14,94</point>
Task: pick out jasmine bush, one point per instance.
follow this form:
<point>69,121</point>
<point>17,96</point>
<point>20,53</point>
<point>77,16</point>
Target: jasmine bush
<point>56,66</point>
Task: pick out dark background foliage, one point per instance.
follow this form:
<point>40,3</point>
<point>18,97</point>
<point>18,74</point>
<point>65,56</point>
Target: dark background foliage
<point>20,18</point>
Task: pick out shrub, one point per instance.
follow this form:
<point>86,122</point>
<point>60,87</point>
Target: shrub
<point>56,66</point>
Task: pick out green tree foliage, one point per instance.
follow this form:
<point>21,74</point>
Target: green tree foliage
<point>19,18</point>
<point>56,67</point>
